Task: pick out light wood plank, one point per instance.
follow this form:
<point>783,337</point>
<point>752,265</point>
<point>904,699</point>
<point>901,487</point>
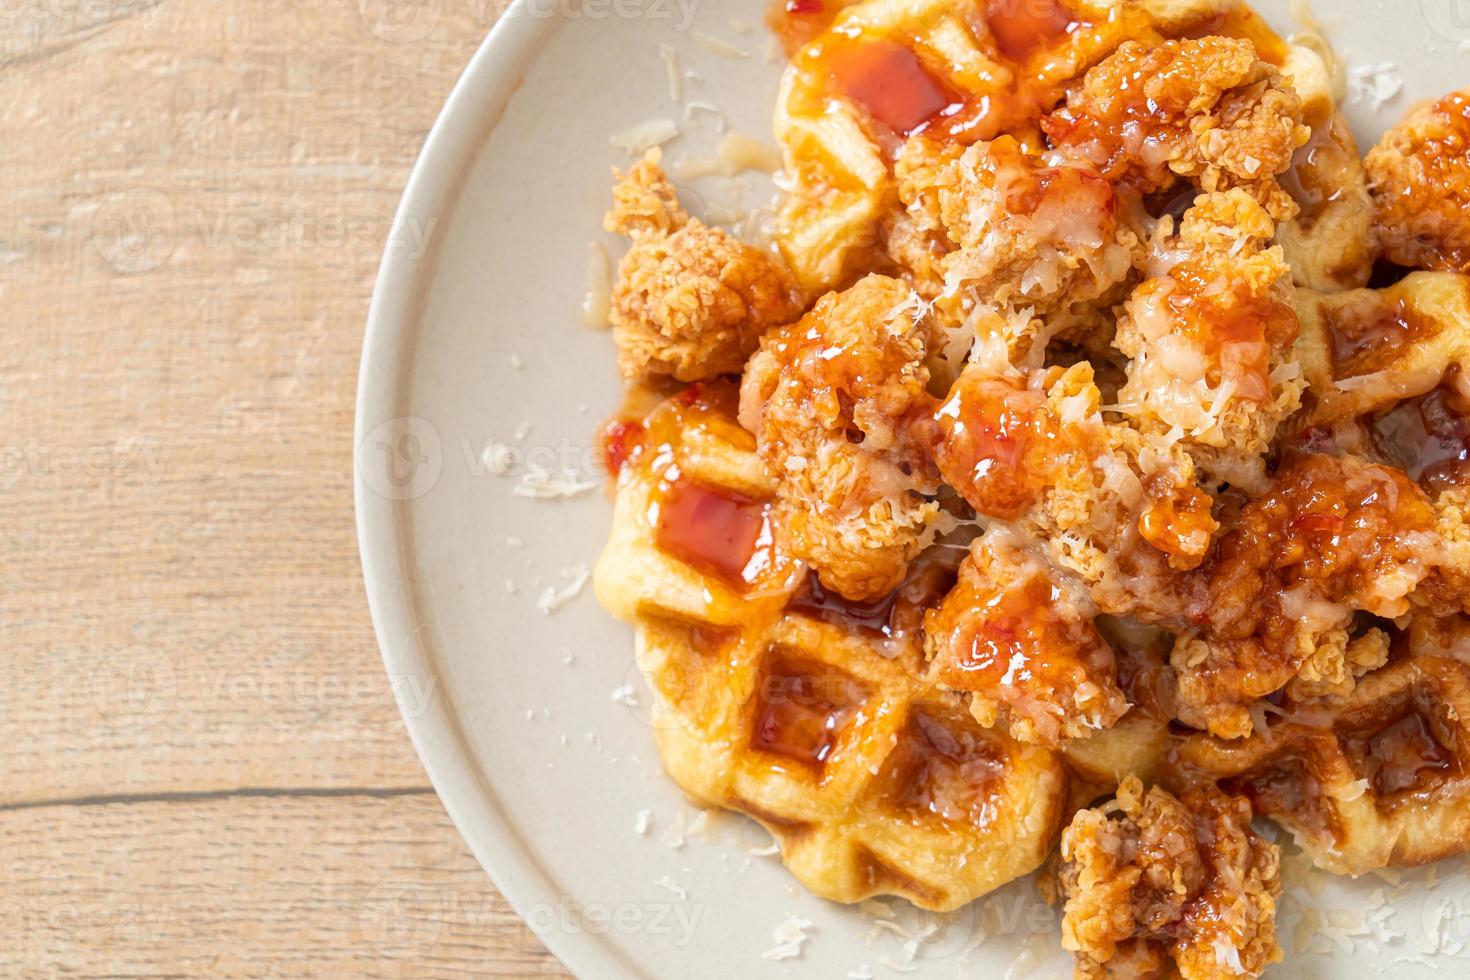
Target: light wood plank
<point>181,599</point>
<point>254,887</point>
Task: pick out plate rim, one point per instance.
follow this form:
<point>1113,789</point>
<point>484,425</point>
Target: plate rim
<point>458,136</point>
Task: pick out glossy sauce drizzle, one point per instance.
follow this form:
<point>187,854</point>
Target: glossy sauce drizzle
<point>992,431</point>
<point>888,80</point>
<point>1013,636</point>
<point>943,768</point>
<point>715,531</point>
<point>1239,21</point>
<point>802,709</point>
<point>619,440</point>
<point>1021,27</point>
<point>900,613</point>
<point>1405,756</point>
<point>1368,335</point>
<point>1428,437</point>
<point>1312,180</point>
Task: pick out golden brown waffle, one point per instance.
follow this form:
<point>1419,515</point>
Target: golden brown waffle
<point>1378,778</point>
<point>1365,350</point>
<point>815,717</point>
<point>1328,244</point>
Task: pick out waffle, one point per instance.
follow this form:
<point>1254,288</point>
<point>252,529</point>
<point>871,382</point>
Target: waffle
<point>1363,350</point>
<point>1376,779</point>
<point>1328,244</point>
<point>967,70</point>
<point>817,718</point>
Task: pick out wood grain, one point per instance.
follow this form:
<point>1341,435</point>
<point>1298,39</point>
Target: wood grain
<point>261,887</point>
<point>193,712</point>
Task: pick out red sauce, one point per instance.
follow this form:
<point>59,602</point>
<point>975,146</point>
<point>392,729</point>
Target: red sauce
<point>1237,328</point>
<point>620,440</point>
<point>714,531</point>
<point>802,709</point>
<point>943,768</point>
<point>1020,27</point>
<point>1014,637</point>
<point>823,604</point>
<point>888,80</point>
<point>899,613</point>
<point>1239,21</point>
<point>1287,787</point>
<point>798,22</point>
<point>1428,437</point>
<point>1328,524</point>
<point>1178,521</point>
<point>1368,334</point>
<point>1404,756</point>
<point>994,440</point>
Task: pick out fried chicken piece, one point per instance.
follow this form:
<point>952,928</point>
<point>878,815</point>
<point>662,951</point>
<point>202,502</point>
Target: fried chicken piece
<point>1448,591</point>
<point>690,302</point>
<point>1331,536</point>
<point>1419,176</point>
<point>832,399</point>
<point>1207,110</point>
<point>644,201</point>
<point>1210,340</point>
<point>1050,243</point>
<point>1151,877</point>
<point>1019,638</point>
<point>1114,509</point>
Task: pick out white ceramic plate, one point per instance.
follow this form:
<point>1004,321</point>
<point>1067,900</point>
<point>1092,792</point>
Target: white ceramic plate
<point>475,338</point>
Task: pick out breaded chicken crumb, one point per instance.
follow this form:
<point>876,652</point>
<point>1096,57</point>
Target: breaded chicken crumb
<point>691,302</point>
<point>1151,877</point>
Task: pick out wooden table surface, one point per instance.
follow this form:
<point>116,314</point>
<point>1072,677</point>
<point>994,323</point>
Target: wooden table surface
<point>202,770</point>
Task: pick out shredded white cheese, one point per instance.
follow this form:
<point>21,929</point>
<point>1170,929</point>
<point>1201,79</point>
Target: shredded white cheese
<point>540,484</point>
<point>1227,955</point>
<point>789,937</point>
<point>638,139</point>
<point>498,458</point>
<point>597,303</point>
<point>552,598</point>
<point>669,885</point>
<point>1374,84</point>
<point>673,69</point>
<point>717,46</point>
<point>691,107</point>
<point>737,154</point>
